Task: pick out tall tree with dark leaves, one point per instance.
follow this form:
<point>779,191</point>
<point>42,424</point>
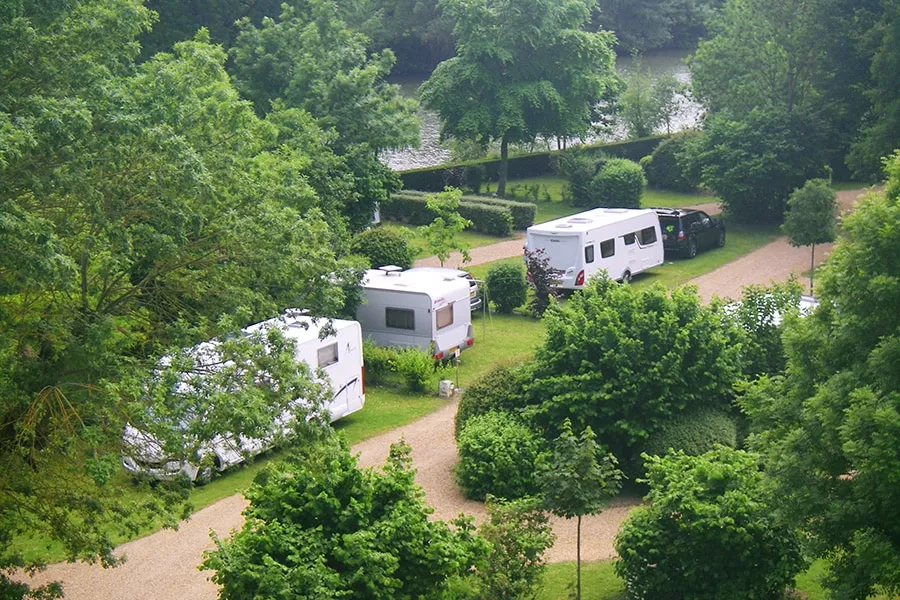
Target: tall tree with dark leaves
<point>522,70</point>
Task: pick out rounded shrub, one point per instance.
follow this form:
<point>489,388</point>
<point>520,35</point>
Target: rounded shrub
<point>379,362</point>
<point>578,169</point>
<point>497,456</point>
<point>620,183</point>
<point>692,433</point>
<point>507,286</point>
<point>415,367</point>
<point>499,389</point>
<point>382,247</point>
<point>667,167</point>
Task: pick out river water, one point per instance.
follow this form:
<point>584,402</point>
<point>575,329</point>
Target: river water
<point>430,151</point>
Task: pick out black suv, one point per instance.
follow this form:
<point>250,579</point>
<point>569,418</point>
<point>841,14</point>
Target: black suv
<point>687,231</point>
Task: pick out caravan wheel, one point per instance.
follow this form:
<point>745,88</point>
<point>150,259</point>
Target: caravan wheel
<point>626,276</point>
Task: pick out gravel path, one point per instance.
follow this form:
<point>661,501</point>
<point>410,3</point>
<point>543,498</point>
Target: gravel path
<point>163,566</point>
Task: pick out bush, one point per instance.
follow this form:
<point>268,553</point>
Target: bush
<point>667,168</point>
<point>497,390</point>
<point>497,456</point>
<point>382,247</point>
<point>415,367</point>
<point>378,362</point>
<point>492,220</point>
<point>540,278</point>
<point>620,183</point>
<point>579,169</point>
<point>709,533</point>
<point>693,433</point>
<point>506,286</point>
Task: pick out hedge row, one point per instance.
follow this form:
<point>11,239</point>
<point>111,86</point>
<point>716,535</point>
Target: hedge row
<point>435,179</point>
<point>487,215</point>
<point>522,213</point>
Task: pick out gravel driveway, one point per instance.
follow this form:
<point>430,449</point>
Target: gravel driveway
<point>163,566</point>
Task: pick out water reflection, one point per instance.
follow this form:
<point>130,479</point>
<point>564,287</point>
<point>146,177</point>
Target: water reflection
<point>431,152</point>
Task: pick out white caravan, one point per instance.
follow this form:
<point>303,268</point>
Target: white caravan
<point>621,241</point>
<point>337,357</point>
<point>417,309</point>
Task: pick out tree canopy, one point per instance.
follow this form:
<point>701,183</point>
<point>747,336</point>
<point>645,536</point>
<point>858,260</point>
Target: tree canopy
<point>522,70</point>
<point>828,429</point>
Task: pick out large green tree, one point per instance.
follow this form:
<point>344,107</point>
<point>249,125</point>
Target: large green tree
<point>828,430</point>
<point>320,527</point>
<point>522,70</point>
<point>140,203</point>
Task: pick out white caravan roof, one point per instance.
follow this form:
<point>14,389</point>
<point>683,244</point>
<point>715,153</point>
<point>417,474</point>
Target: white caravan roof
<point>299,327</point>
<point>589,220</point>
<point>434,284</point>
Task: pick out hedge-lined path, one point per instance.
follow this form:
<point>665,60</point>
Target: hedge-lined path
<point>163,565</point>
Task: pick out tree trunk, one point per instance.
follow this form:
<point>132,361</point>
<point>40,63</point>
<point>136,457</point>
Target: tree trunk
<point>578,562</point>
<point>504,166</point>
<point>812,268</point>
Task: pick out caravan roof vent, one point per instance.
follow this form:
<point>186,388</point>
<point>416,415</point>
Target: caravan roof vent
<point>391,269</point>
<point>564,226</point>
<point>580,220</point>
<point>616,211</point>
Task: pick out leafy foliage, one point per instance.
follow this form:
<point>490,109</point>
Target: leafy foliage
<point>321,527</point>
<point>382,247</point>
<point>497,454</point>
<point>507,286</point>
<point>440,234</point>
<point>624,361</point>
<point>519,532</point>
<point>577,480</point>
<point>761,312</point>
<point>667,167</point>
<point>649,103</point>
<point>753,162</point>
<point>620,183</point>
<point>693,433</point>
<point>540,278</point>
<point>415,367</point>
<point>521,70</point>
<point>501,389</point>
<point>827,430</point>
<point>579,170</point>
<point>710,532</point>
<point>811,218</point>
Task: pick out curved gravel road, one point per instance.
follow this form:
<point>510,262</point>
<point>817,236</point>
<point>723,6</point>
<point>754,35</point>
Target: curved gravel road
<point>163,565</point>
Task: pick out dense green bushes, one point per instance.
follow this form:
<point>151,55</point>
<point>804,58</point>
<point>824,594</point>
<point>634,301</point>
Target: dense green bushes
<point>620,183</point>
<point>507,286</point>
<point>492,220</point>
<point>382,247</point>
<point>667,168</point>
<point>411,367</point>
<point>693,433</point>
<point>499,389</point>
<point>709,533</point>
<point>497,456</point>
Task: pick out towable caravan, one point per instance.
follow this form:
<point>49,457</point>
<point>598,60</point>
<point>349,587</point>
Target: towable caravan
<point>416,309</point>
<point>621,241</point>
<point>337,357</point>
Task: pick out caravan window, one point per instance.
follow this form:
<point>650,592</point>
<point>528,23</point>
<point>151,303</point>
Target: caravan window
<point>444,316</point>
<point>399,318</point>
<point>328,355</point>
<point>629,238</point>
<point>648,236</point>
<point>608,248</point>
<point>589,254</point>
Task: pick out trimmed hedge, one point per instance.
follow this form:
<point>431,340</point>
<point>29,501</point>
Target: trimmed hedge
<point>507,286</point>
<point>693,433</point>
<point>382,247</point>
<point>497,456</point>
<point>502,388</point>
<point>488,215</point>
<point>620,183</point>
<point>666,169</point>
<point>435,179</point>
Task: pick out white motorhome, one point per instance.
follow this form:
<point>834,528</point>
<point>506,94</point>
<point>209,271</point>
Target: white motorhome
<point>621,241</point>
<point>337,357</point>
<point>417,309</point>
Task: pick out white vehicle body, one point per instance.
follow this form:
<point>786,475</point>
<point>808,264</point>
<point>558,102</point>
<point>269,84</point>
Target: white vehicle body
<point>338,358</point>
<point>621,241</point>
<point>417,309</point>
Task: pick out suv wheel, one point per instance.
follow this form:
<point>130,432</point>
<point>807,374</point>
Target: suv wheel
<point>692,247</point>
<point>721,241</point>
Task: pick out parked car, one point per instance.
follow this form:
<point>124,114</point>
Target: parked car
<point>687,231</point>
